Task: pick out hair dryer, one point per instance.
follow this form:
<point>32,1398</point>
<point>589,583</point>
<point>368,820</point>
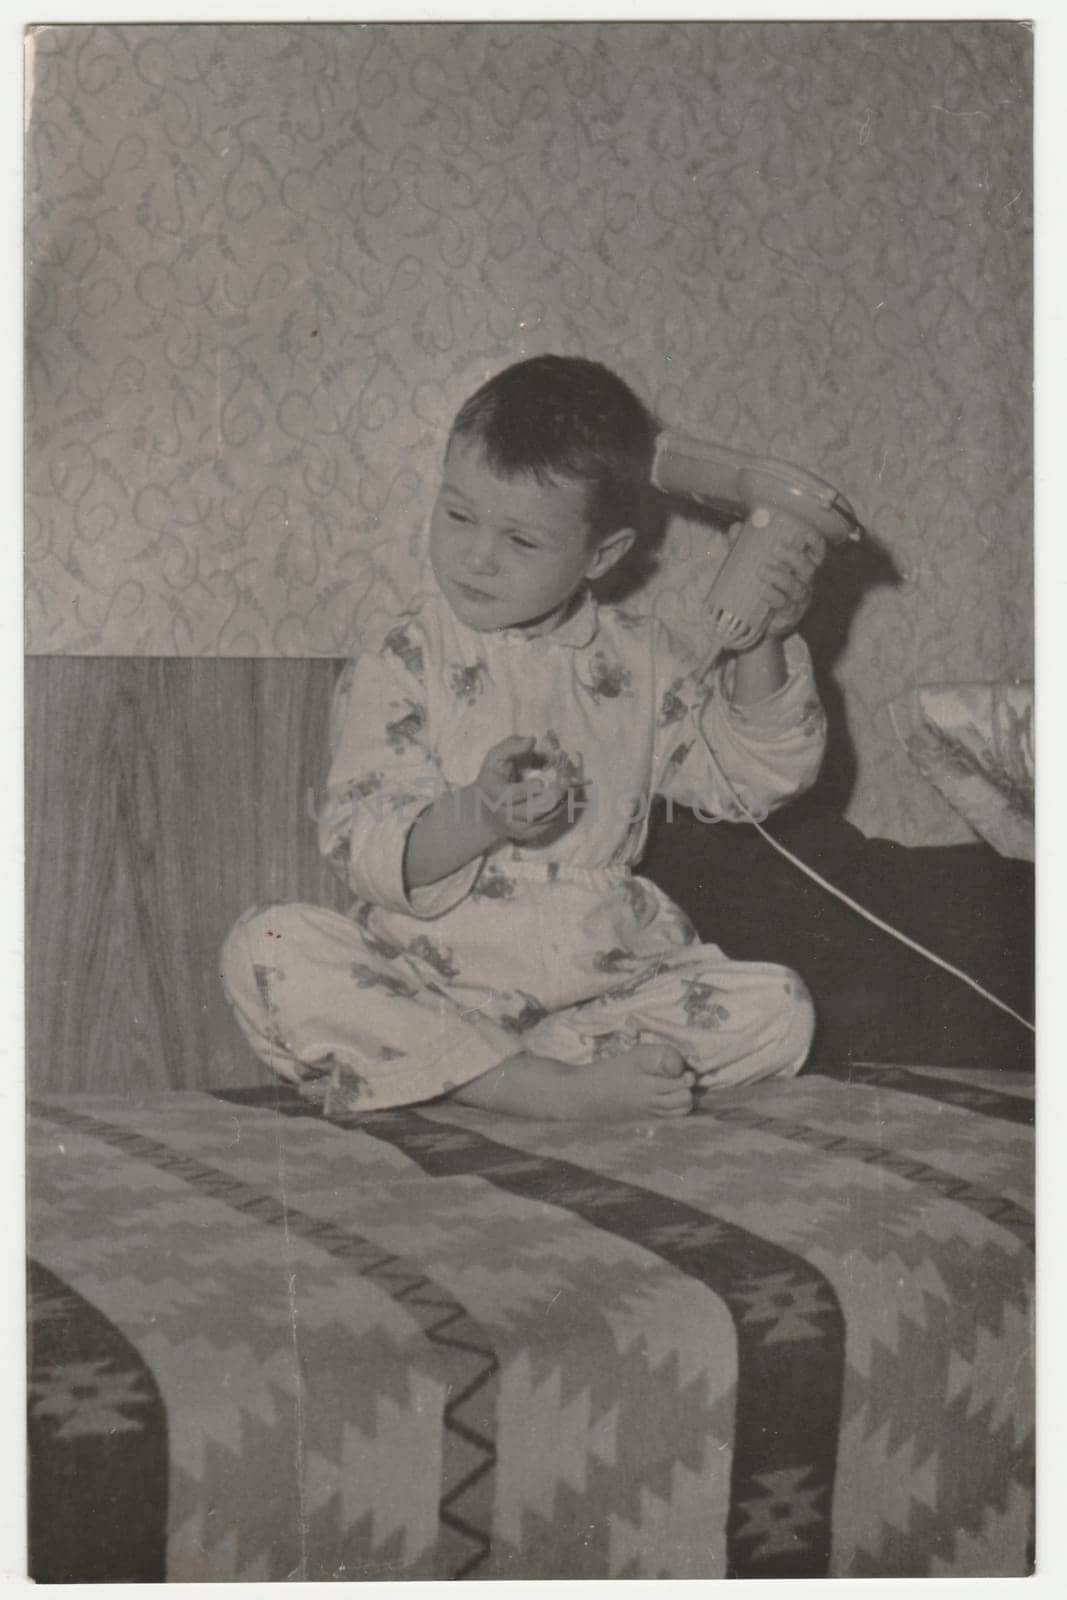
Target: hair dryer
<point>749,488</point>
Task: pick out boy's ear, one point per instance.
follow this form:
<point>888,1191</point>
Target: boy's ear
<point>610,551</point>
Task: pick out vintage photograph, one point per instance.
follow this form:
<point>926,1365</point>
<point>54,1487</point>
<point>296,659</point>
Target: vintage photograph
<point>529,707</point>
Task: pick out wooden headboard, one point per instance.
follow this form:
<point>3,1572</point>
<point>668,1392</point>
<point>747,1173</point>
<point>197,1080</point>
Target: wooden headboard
<point>164,796</point>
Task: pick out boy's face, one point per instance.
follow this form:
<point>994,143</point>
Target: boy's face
<point>507,551</point>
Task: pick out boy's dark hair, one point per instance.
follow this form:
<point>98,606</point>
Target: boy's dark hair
<point>562,417</point>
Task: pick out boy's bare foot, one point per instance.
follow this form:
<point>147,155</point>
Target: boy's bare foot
<point>651,1080</point>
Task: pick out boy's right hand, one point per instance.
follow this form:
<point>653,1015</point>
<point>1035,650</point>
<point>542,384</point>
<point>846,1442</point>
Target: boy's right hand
<point>515,808</point>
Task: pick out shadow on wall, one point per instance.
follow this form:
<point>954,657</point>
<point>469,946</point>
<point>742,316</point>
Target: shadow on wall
<point>843,585</point>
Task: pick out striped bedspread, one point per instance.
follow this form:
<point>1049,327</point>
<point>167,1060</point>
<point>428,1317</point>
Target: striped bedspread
<point>789,1336</point>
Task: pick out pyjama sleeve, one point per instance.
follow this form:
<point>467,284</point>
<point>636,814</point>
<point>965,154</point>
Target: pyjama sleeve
<point>382,776</point>
<point>708,750</point>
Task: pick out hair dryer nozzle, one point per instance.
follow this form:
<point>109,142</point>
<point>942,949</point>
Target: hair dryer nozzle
<point>737,484</point>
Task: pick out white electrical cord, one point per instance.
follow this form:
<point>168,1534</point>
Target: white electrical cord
<point>886,927</point>
<point>853,905</point>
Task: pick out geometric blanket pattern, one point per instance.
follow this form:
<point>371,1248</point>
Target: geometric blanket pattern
<point>788,1336</point>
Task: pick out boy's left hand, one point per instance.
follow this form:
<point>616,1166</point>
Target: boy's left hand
<point>794,555</point>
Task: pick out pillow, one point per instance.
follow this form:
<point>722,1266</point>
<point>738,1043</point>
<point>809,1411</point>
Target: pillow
<point>975,744</point>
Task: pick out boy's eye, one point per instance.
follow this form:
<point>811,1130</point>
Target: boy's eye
<point>457,516</point>
<point>523,544</point>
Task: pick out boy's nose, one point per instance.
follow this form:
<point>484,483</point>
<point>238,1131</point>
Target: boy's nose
<point>481,556</point>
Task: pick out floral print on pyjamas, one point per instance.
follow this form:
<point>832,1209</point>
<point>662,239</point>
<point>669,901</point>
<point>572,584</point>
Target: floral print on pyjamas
<point>558,948</point>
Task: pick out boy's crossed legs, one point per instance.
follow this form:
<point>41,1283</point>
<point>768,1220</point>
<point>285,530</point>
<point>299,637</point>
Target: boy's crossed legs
<point>313,999</point>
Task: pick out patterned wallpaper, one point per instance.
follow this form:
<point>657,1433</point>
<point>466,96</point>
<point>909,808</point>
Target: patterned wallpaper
<point>265,264</point>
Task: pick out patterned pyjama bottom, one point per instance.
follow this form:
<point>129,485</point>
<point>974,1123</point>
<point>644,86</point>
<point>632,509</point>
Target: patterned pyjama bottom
<point>376,1009</point>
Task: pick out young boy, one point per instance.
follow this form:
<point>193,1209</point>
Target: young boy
<point>494,751</point>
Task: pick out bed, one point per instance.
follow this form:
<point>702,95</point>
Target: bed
<point>789,1336</point>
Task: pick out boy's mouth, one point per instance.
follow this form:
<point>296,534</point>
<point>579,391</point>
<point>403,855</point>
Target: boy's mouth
<point>471,592</point>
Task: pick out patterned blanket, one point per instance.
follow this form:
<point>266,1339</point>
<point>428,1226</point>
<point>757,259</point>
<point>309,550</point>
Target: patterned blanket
<point>788,1336</point>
